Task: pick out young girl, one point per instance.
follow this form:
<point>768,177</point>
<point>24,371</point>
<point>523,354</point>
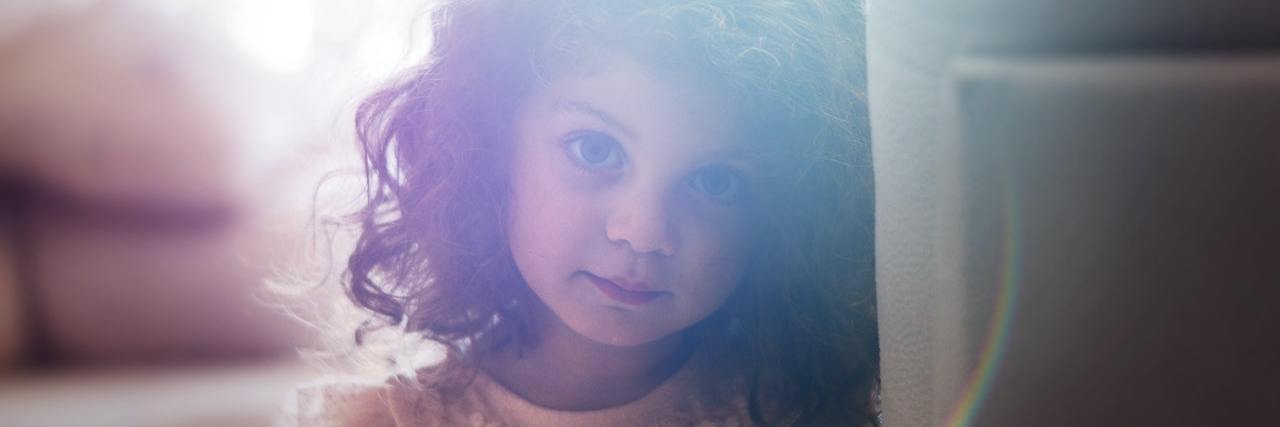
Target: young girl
<point>622,213</point>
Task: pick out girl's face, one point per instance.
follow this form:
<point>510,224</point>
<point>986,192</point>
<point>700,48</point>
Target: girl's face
<point>630,216</point>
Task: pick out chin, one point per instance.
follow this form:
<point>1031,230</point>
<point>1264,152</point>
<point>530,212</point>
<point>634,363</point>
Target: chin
<point>619,332</point>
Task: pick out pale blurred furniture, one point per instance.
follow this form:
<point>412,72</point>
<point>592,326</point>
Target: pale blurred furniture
<point>192,395</point>
<point>131,265</point>
<point>1078,211</point>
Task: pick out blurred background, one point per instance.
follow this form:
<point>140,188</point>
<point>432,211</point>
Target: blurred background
<point>1077,206</point>
<point>160,164</point>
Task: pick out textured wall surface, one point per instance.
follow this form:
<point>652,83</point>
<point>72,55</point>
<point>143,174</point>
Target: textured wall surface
<point>906,54</point>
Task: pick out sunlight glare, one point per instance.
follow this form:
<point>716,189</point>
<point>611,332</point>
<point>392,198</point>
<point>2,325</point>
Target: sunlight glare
<point>275,33</point>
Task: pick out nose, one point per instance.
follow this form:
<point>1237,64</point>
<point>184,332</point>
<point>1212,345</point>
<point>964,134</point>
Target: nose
<point>643,224</point>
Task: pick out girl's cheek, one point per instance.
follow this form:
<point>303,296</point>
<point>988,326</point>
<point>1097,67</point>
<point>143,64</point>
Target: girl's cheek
<point>727,236</point>
<point>743,233</point>
<point>574,178</point>
<point>728,224</point>
<point>583,182</point>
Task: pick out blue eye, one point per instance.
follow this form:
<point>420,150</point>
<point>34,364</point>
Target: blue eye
<point>595,150</point>
<point>718,182</point>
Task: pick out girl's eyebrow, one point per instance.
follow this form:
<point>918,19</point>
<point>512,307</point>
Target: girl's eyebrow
<point>608,119</point>
<point>744,157</point>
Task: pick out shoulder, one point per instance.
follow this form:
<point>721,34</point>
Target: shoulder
<point>395,401</point>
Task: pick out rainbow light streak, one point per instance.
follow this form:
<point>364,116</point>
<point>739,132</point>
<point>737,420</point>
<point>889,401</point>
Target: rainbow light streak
<point>978,386</point>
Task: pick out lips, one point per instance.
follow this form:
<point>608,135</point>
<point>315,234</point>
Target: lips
<point>626,293</point>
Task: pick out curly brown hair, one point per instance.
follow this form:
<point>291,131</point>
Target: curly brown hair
<point>433,258</point>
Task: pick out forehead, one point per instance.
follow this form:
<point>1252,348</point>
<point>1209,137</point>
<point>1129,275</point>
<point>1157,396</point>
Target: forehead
<point>643,103</point>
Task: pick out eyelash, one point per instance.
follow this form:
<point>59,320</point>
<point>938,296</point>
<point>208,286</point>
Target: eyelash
<point>614,158</point>
<point>735,186</point>
<point>574,145</point>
